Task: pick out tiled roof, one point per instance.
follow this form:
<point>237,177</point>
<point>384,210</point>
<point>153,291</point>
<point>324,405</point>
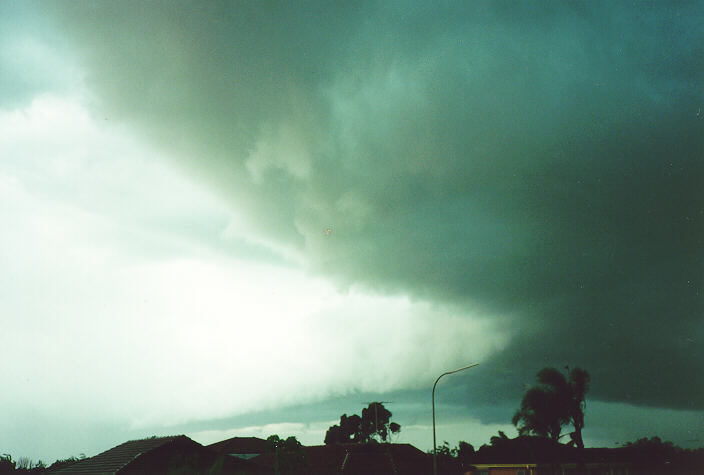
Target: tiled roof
<point>240,445</point>
<point>111,461</point>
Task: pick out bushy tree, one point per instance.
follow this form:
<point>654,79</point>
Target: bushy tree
<point>348,430</point>
<point>288,453</point>
<point>557,400</point>
<point>374,425</point>
<point>464,449</point>
<point>274,442</point>
<point>445,450</point>
<point>654,448</point>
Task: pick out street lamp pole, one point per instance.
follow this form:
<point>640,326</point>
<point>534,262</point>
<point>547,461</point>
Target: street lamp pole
<point>435,445</point>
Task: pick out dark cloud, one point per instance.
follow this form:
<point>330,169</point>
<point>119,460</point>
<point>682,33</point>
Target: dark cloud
<point>538,161</point>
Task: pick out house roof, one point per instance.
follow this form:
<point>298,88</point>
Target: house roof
<point>387,459</point>
<point>350,459</point>
<point>112,460</point>
<point>525,450</point>
<point>239,445</point>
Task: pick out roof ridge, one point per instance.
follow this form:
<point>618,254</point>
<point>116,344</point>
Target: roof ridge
<point>155,437</point>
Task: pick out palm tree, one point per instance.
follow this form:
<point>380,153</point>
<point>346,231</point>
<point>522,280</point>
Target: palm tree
<point>557,400</point>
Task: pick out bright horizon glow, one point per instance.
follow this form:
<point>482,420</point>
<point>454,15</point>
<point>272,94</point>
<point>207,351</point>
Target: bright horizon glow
<point>188,328</point>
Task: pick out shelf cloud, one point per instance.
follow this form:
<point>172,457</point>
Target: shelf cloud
<point>511,182</point>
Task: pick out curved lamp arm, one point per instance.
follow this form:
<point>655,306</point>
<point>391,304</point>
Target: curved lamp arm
<point>435,445</point>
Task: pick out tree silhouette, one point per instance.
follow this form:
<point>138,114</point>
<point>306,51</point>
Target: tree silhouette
<point>498,439</point>
<point>349,430</point>
<point>288,453</point>
<point>557,400</point>
<point>374,425</point>
<point>274,442</point>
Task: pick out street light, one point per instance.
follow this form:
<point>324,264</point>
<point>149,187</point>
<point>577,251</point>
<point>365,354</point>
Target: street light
<point>435,445</point>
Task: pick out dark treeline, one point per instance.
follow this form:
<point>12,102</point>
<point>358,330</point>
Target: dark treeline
<point>645,454</point>
<point>555,402</point>
<point>558,400</point>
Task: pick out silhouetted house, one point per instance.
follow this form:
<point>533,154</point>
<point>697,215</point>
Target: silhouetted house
<point>541,456</point>
<point>387,458</point>
<point>153,455</point>
<point>240,447</point>
<point>347,459</point>
<point>503,469</point>
<point>550,469</point>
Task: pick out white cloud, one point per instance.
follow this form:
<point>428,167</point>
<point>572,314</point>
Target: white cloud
<point>126,307</point>
<point>420,434</point>
<point>307,433</point>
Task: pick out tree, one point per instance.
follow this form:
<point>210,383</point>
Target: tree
<point>465,453</point>
<point>374,425</point>
<point>464,449</point>
<point>274,442</point>
<point>454,459</point>
<point>498,439</point>
<point>334,435</point>
<point>349,430</point>
<point>557,400</point>
<point>445,450</point>
<point>288,453</point>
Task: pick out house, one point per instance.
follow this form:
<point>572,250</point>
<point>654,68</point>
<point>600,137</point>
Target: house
<point>527,455</point>
<point>388,458</point>
<point>597,468</point>
<point>152,455</point>
<point>346,459</point>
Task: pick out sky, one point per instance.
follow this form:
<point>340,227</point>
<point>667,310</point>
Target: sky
<point>247,218</point>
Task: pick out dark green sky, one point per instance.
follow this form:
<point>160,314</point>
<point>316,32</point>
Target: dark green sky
<point>534,166</point>
<point>540,160</point>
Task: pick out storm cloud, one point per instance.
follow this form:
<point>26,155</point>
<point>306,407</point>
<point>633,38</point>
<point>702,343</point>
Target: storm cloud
<point>537,161</point>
